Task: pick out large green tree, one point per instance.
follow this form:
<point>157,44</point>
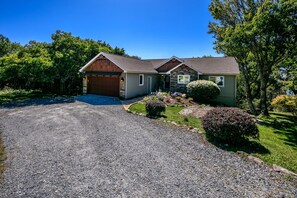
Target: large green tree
<point>51,67</point>
<point>260,34</point>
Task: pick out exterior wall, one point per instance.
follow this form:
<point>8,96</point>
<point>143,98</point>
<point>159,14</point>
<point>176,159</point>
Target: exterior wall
<point>102,64</point>
<point>169,65</point>
<point>132,84</point>
<point>182,70</point>
<point>123,85</point>
<point>227,95</point>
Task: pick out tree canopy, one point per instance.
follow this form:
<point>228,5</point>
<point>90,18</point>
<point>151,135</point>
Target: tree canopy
<point>52,67</point>
<point>261,35</point>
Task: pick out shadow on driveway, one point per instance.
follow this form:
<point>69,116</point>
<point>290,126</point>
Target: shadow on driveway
<point>98,100</point>
<point>37,102</point>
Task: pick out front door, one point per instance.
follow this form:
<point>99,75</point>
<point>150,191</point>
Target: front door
<point>167,82</point>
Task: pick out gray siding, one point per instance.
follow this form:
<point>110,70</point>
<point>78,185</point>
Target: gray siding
<point>133,88</point>
<point>228,92</point>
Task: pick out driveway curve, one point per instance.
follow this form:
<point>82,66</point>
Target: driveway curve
<point>88,148</point>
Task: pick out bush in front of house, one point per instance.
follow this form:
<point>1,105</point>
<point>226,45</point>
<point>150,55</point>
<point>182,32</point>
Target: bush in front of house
<point>285,103</point>
<point>155,107</point>
<point>229,125</point>
<point>203,90</point>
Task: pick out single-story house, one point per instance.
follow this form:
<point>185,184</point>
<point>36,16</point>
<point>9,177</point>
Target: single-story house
<point>114,75</point>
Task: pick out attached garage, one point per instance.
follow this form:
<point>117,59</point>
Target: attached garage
<point>104,85</point>
<point>118,76</point>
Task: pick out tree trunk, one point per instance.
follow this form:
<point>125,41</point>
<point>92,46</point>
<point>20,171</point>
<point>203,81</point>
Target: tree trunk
<point>263,94</point>
<point>248,90</point>
<point>249,97</point>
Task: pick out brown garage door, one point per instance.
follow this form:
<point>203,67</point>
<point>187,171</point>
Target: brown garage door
<point>103,85</point>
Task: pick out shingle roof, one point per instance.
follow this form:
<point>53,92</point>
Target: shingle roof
<point>131,64</point>
<point>218,65</point>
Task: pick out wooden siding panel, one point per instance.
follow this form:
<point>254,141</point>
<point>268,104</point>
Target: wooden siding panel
<point>169,65</point>
<point>103,85</point>
<point>104,65</point>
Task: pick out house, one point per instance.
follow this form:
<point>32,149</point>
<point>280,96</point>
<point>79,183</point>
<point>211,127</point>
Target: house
<point>114,75</point>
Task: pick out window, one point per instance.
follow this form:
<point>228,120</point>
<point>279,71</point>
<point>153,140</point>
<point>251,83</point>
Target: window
<point>183,79</point>
<point>219,80</point>
<point>141,81</point>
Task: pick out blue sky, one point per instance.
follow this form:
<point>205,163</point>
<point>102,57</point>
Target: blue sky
<point>146,28</point>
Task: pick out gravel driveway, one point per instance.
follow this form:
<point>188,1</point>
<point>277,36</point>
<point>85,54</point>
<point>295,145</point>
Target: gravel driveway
<point>93,148</point>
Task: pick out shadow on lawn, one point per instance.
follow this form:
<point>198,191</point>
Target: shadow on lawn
<point>247,146</point>
<point>284,125</point>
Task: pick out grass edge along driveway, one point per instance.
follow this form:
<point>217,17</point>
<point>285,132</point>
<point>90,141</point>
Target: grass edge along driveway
<point>278,136</point>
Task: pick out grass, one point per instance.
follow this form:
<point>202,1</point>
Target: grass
<point>171,114</point>
<point>277,143</point>
<point>8,95</point>
<point>278,133</point>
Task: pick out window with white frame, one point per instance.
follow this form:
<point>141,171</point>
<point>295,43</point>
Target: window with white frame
<point>183,79</point>
<point>219,80</point>
<point>141,79</point>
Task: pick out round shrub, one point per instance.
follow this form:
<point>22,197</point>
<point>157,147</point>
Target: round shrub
<point>203,90</point>
<point>230,125</point>
<point>154,107</point>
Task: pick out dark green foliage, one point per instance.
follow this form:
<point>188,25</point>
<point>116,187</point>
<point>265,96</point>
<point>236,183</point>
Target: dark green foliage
<point>229,125</point>
<point>155,107</point>
<point>203,90</point>
<point>261,35</point>
<point>51,67</point>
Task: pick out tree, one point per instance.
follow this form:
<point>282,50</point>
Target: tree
<point>7,47</point>
<point>260,34</point>
<point>52,67</point>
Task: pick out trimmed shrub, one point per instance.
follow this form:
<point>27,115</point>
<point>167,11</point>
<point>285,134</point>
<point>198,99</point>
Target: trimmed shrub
<point>203,90</point>
<point>230,125</point>
<point>155,107</point>
<point>285,103</point>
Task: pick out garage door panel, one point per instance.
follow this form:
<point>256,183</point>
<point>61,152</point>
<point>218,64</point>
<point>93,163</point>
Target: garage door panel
<point>103,85</point>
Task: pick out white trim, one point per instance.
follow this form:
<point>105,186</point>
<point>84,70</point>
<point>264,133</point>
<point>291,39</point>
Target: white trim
<point>216,83</point>
<point>166,61</point>
<point>184,83</point>
<point>94,59</point>
<point>142,79</point>
<point>168,72</point>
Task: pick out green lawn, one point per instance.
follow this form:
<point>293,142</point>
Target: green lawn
<point>8,95</point>
<point>277,143</point>
<point>171,114</point>
<point>278,133</point>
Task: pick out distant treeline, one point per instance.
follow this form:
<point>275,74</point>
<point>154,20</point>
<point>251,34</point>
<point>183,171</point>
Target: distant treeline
<point>51,67</point>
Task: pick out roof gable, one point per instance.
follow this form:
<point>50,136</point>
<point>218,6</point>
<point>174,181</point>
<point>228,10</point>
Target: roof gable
<point>128,65</point>
<point>168,65</point>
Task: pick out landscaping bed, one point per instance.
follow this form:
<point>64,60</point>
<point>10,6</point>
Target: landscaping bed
<point>277,143</point>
